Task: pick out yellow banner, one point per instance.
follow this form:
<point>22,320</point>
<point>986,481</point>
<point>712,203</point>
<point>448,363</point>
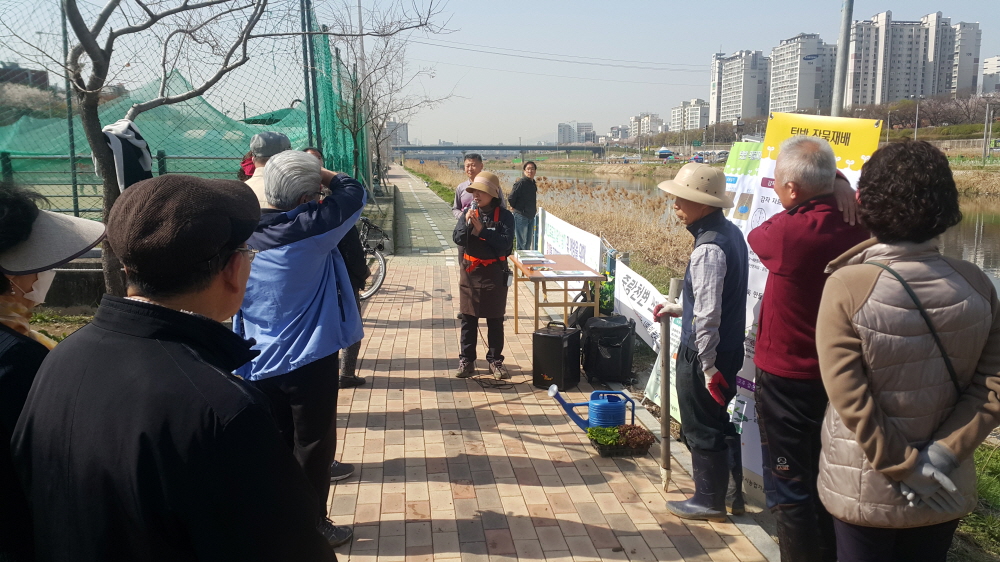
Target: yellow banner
<point>853,140</point>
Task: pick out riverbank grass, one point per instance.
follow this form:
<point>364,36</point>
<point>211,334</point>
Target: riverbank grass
<point>978,536</point>
<point>446,193</point>
<point>57,325</point>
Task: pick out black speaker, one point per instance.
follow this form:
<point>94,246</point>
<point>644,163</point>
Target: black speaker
<point>608,343</point>
<point>555,356</point>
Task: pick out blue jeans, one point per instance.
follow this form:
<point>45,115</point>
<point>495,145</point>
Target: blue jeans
<point>524,230</point>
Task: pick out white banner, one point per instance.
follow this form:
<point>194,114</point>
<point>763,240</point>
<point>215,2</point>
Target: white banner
<point>563,238</point>
<point>635,298</point>
<point>652,390</point>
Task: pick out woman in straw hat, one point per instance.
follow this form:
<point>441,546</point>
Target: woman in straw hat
<point>486,231</point>
<point>32,244</point>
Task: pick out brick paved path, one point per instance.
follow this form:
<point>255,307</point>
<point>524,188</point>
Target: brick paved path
<point>448,470</point>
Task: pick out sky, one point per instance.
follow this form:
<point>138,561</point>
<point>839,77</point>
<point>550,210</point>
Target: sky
<point>518,95</point>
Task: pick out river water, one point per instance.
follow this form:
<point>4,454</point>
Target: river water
<point>975,239</point>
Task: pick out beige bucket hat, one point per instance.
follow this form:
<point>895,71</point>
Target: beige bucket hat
<point>485,181</point>
<point>700,183</point>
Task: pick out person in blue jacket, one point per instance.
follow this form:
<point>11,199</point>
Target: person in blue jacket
<point>299,307</point>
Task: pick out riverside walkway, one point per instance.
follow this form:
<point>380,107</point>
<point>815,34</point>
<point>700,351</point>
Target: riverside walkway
<point>449,470</point>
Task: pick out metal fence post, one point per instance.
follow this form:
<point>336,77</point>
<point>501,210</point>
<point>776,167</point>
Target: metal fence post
<point>69,117</point>
<point>161,162</point>
<point>6,168</point>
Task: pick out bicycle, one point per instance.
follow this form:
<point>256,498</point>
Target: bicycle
<point>373,239</point>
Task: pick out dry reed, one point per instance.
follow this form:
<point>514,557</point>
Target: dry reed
<point>437,171</point>
<point>642,224</point>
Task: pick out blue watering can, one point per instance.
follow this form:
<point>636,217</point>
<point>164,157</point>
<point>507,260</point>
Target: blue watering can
<point>605,409</point>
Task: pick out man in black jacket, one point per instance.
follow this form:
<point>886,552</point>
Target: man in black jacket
<point>136,441</point>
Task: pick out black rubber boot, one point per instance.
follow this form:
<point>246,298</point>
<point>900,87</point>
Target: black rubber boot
<point>734,495</point>
<point>800,536</point>
<point>711,474</point>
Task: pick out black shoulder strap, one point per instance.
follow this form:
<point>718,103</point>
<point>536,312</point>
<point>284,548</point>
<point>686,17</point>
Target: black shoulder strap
<point>927,319</point>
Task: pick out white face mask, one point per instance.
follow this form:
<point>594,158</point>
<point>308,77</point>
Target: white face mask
<point>40,287</point>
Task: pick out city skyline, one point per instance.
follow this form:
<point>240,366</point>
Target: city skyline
<point>531,93</point>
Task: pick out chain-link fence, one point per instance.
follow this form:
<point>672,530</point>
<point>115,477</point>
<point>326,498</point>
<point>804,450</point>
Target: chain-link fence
<point>312,102</point>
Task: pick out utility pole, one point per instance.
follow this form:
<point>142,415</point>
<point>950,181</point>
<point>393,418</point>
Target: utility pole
<point>887,118</point>
<point>987,129</point>
<point>843,46</point>
<point>916,124</point>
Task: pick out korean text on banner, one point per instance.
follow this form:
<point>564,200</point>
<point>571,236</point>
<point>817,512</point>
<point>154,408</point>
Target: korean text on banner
<point>563,238</point>
<point>635,298</point>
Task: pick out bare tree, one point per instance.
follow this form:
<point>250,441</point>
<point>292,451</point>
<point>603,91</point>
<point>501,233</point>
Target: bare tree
<point>209,38</point>
<point>387,89</point>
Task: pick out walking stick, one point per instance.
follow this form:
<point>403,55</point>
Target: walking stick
<point>675,289</point>
<point>665,401</point>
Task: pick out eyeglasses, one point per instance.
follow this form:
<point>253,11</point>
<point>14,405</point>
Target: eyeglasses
<point>250,252</point>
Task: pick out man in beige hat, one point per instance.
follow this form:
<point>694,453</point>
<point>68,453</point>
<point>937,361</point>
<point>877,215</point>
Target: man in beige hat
<point>713,332</point>
<point>486,232</point>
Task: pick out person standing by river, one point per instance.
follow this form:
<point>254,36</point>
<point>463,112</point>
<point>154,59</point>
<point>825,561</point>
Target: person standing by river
<point>523,197</point>
<point>714,324</point>
<point>795,246</point>
<point>486,233</point>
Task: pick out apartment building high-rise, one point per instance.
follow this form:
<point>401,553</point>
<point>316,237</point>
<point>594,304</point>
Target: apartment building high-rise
<point>650,124</point>
<point>635,125</point>
<point>802,74</point>
<point>891,60</point>
<point>618,133</point>
<point>965,70</point>
<point>739,86</point>
<point>585,132</point>
<point>566,134</point>
<point>398,133</point>
<point>991,76</point>
<point>689,115</point>
<point>715,88</point>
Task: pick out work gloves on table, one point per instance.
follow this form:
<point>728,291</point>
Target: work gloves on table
<point>929,482</point>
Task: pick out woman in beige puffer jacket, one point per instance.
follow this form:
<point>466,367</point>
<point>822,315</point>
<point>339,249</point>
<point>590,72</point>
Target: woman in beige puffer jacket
<point>896,419</point>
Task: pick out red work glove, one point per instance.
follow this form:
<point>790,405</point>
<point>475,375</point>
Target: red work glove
<point>666,309</point>
<point>716,383</point>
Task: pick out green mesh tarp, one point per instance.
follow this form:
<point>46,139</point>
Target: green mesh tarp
<point>190,137</point>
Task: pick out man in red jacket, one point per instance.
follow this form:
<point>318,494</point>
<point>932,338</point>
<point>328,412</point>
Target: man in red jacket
<point>795,247</point>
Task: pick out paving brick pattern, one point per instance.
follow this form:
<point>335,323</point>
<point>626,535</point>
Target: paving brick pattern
<point>449,470</point>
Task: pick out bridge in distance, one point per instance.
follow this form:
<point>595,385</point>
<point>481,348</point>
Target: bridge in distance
<point>464,148</point>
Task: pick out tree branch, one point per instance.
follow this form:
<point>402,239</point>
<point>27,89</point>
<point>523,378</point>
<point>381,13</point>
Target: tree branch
<point>226,66</point>
<point>88,42</point>
<point>184,7</point>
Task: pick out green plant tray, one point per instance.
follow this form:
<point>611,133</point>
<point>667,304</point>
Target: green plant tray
<point>618,450</point>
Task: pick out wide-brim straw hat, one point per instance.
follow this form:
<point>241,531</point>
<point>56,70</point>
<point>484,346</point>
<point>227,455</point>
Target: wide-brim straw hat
<point>487,182</point>
<point>700,183</point>
<point>55,239</point>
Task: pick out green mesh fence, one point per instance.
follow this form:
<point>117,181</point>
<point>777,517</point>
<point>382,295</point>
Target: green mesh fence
<point>205,136</point>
